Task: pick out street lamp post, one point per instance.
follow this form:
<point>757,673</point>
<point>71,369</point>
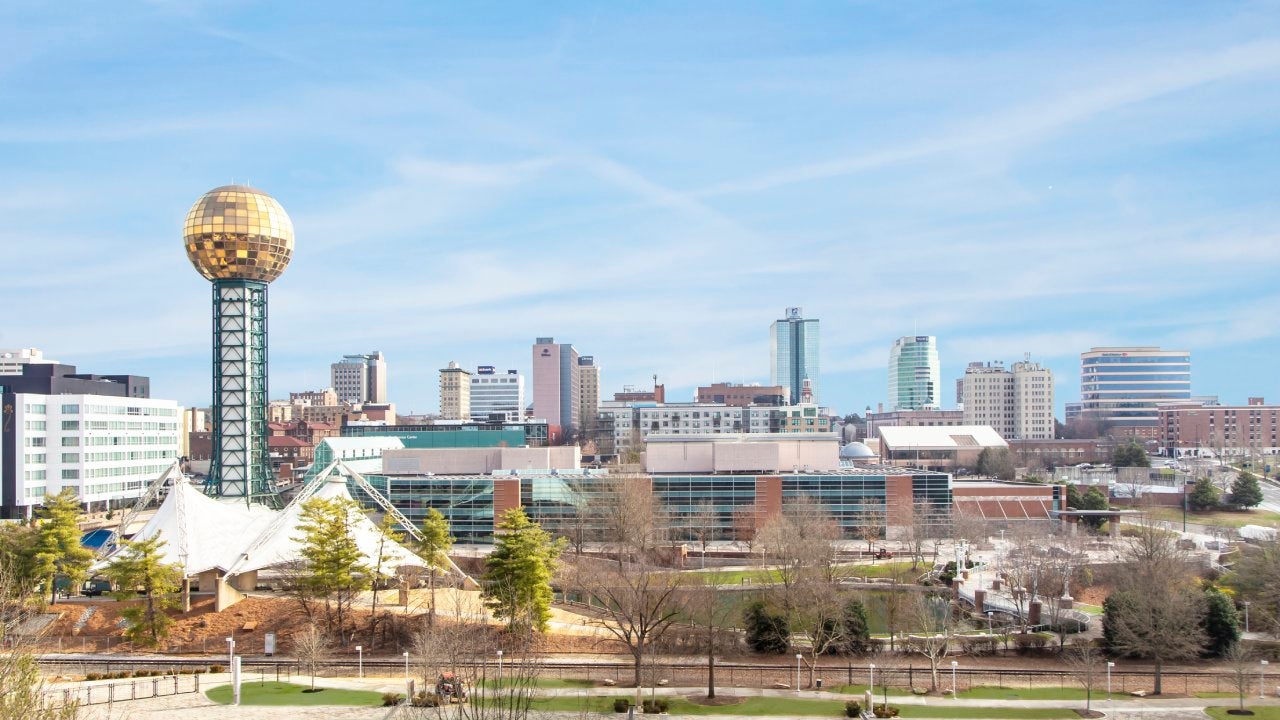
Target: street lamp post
<point>408,689</point>
<point>989,631</point>
<point>954,665</point>
<point>1109,666</point>
<point>799,657</point>
<point>1262,679</point>
<point>1246,616</point>
<point>360,660</point>
<point>231,652</point>
<point>871,687</point>
<point>499,669</point>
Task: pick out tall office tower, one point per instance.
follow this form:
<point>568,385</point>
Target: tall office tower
<point>1017,403</point>
<point>556,389</point>
<point>793,345</point>
<point>11,361</point>
<point>455,393</point>
<point>494,394</point>
<point>1121,386</point>
<point>588,393</point>
<point>360,378</point>
<point>240,239</point>
<point>915,376</point>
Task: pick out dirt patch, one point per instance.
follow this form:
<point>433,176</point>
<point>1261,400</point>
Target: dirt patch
<point>1094,594</point>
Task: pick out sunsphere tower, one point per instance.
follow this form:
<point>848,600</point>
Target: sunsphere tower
<point>240,239</point>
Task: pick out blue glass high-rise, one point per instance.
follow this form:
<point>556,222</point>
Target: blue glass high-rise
<point>793,343</point>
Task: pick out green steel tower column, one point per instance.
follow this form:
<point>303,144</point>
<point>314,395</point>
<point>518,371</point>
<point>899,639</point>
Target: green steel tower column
<point>240,239</point>
<point>241,466</point>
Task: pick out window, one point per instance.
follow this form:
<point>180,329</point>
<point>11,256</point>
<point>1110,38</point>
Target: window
<point>70,424</point>
<point>70,409</point>
<point>70,442</point>
<point>70,457</point>
<point>73,474</point>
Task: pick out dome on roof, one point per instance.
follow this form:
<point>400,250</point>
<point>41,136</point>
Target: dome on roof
<point>856,451</point>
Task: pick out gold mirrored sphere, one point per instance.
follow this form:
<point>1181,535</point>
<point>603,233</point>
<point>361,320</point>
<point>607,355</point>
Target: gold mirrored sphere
<point>235,232</point>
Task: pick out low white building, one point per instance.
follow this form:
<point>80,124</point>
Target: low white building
<point>105,448</point>
<point>628,424</point>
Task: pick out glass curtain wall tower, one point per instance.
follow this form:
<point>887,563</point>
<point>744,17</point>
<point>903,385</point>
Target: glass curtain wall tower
<point>793,342</point>
<point>915,375</point>
<point>240,239</point>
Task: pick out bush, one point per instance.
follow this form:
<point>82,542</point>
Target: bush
<point>621,705</point>
<point>93,676</point>
<point>767,631</point>
<point>426,699</point>
<point>658,705</point>
<point>852,708</point>
<point>1028,642</point>
<point>884,711</point>
<point>391,698</point>
<point>215,668</point>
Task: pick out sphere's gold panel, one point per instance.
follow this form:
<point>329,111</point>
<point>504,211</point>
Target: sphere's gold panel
<point>238,233</point>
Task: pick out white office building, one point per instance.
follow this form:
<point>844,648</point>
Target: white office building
<point>494,394</point>
<point>11,361</point>
<point>1016,402</point>
<point>628,425</point>
<point>360,379</point>
<point>105,448</point>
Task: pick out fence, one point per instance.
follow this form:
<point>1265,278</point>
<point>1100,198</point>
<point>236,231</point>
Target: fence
<point>137,689</point>
<point>896,671</point>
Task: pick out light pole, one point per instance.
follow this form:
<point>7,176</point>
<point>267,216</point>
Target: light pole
<point>499,669</point>
<point>1246,616</point>
<point>989,632</point>
<point>954,665</point>
<point>1109,666</point>
<point>799,657</point>
<point>408,689</point>
<point>231,652</point>
<point>871,687</point>
<point>1262,679</point>
<point>360,660</point>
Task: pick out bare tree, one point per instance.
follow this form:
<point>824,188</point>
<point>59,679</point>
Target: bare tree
<point>704,526</point>
<point>1155,611</point>
<point>871,528</point>
<point>1086,664</point>
<point>935,628</point>
<point>311,647</point>
<point>1240,663</point>
<point>711,618</point>
<point>22,689</point>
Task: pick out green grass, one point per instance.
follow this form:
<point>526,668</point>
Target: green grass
<point>278,693</point>
<point>766,576</point>
<point>1036,693</point>
<point>1260,712</point>
<point>860,689</point>
<point>775,706</point>
<point>1225,518</point>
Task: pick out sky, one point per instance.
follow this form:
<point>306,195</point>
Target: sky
<point>652,182</point>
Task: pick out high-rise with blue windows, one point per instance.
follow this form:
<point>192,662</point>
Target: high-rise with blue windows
<point>793,342</point>
<point>1121,386</point>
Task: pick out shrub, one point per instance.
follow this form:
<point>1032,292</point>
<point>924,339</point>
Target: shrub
<point>657,705</point>
<point>621,705</point>
<point>391,698</point>
<point>1028,642</point>
<point>93,676</point>
<point>884,711</point>
<point>426,699</point>
<point>215,668</point>
<point>852,708</point>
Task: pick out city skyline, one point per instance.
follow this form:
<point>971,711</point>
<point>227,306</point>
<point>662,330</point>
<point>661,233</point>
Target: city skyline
<point>444,188</point>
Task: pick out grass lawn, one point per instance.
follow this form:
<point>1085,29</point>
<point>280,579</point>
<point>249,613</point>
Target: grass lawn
<point>767,706</point>
<point>860,689</point>
<point>766,576</point>
<point>277,693</point>
<point>1262,712</point>
<point>1225,518</point>
<point>991,692</point>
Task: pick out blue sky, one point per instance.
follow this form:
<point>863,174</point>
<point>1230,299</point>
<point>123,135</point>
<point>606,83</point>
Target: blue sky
<point>653,182</point>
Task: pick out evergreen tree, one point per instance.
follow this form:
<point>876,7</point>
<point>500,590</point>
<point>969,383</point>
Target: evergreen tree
<point>140,567</point>
<point>1094,499</point>
<point>1245,491</point>
<point>1221,623</point>
<point>767,631</point>
<point>1131,454</point>
<point>434,548</point>
<point>58,550</point>
<point>1204,495</point>
<point>18,543</point>
<point>334,565</point>
<point>517,578</point>
<point>857,632</point>
<point>1073,497</point>
<point>997,463</point>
